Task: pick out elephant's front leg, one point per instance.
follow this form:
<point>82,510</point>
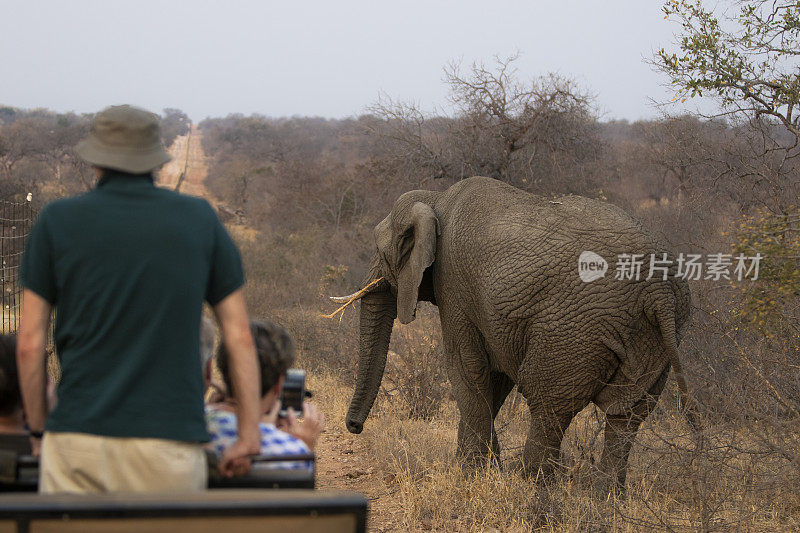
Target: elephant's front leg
<point>468,368</point>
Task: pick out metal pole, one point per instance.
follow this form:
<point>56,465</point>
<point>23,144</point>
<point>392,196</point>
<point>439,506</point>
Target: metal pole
<point>4,271</point>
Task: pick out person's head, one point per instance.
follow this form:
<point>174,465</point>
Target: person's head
<point>10,396</point>
<point>275,349</point>
<point>126,139</point>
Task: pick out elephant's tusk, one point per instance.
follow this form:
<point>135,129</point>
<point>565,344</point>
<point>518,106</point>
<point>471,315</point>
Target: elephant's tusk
<point>342,299</point>
<point>352,298</point>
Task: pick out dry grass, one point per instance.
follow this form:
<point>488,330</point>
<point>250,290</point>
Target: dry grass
<point>671,486</point>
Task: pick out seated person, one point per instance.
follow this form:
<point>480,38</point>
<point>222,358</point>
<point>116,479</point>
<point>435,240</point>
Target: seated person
<point>13,432</point>
<point>288,436</point>
<point>213,390</point>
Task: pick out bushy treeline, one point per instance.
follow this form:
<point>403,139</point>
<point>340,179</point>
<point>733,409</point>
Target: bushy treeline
<point>36,151</point>
<point>687,178</point>
<point>36,154</point>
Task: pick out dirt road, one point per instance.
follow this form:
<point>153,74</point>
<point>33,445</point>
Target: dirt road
<point>188,166</point>
<point>343,463</point>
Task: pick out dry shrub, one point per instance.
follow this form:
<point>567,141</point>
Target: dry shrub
<point>724,481</point>
<point>411,447</point>
<point>288,280</point>
<point>324,345</point>
<point>417,379</point>
<point>511,426</point>
<point>415,374</point>
<point>331,395</point>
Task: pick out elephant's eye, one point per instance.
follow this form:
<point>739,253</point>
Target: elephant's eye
<point>387,266</point>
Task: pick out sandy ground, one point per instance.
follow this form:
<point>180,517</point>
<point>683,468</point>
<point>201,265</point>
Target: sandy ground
<point>342,458</point>
<point>343,463</point>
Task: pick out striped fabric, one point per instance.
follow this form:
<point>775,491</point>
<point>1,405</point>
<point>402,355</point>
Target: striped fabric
<point>274,442</point>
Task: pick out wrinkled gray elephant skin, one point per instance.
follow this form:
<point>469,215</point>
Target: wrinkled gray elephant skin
<point>502,267</point>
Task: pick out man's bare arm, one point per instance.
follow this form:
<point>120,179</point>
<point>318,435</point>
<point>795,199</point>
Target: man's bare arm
<point>31,339</point>
<point>234,323</point>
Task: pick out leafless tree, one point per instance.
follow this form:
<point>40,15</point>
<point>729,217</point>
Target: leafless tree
<point>536,135</point>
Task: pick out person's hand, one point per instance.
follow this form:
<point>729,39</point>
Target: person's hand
<point>235,460</point>
<point>309,429</point>
<point>36,446</point>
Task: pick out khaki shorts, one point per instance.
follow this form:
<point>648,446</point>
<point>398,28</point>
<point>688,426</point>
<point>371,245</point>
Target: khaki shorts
<point>83,463</point>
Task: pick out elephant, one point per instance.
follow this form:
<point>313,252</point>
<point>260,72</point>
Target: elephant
<point>502,266</point>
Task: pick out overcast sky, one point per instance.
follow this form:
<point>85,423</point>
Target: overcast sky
<point>317,58</point>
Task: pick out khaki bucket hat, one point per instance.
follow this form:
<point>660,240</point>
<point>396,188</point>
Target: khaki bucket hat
<point>124,138</point>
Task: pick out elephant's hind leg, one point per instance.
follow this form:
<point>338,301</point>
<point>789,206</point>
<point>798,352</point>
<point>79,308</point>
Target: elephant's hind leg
<point>556,388</point>
<point>620,433</point>
<point>501,387</point>
<point>543,444</point>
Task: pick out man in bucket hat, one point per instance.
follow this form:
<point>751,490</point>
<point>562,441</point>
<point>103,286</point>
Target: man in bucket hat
<point>128,265</point>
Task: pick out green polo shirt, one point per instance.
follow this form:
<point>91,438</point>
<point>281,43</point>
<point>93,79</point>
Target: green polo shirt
<point>128,266</point>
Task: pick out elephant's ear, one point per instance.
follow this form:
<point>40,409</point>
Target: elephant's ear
<point>415,251</point>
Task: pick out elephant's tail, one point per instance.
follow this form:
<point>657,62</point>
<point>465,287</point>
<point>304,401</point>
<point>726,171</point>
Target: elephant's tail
<point>665,316</point>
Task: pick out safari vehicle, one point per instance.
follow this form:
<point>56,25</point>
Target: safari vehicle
<point>246,503</point>
<point>19,472</point>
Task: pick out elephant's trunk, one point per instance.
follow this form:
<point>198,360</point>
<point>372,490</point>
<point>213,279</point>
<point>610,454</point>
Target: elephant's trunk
<point>378,311</point>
